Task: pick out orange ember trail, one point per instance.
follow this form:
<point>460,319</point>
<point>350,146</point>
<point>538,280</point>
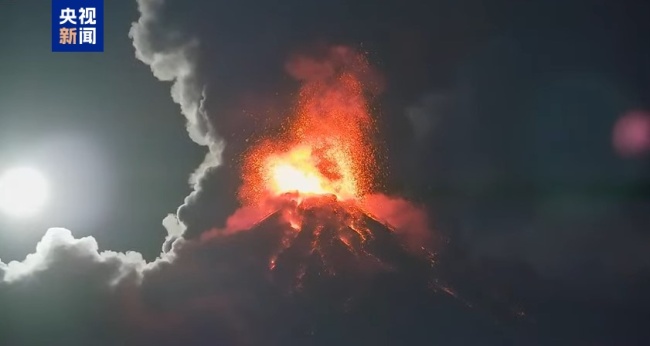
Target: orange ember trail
<point>325,148</point>
<point>318,177</point>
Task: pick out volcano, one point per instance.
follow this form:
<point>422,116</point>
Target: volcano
<point>314,179</point>
<point>324,242</point>
<point>317,254</point>
<point>336,274</point>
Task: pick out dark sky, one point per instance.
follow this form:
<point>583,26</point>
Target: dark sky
<point>105,131</point>
<point>496,116</point>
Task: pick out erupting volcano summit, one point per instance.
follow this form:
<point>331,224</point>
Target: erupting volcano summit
<point>327,147</point>
<point>317,181</point>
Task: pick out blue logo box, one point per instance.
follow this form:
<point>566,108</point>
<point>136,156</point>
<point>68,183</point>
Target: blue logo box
<point>77,25</point>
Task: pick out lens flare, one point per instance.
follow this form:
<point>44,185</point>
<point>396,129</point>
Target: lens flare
<point>23,192</point>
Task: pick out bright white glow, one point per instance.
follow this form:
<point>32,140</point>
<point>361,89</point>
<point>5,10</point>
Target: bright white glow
<point>23,192</point>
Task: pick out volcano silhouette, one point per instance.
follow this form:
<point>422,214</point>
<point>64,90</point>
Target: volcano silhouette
<point>333,242</point>
<point>347,276</point>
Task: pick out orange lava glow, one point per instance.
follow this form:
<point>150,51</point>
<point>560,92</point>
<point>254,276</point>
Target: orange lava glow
<point>325,148</point>
<point>318,176</point>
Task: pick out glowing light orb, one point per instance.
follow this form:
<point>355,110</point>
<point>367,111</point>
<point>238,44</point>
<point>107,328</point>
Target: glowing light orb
<point>23,192</point>
<point>631,135</point>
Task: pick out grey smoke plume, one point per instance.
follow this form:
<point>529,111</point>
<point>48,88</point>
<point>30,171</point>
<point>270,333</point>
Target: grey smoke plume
<point>172,56</point>
<point>67,289</point>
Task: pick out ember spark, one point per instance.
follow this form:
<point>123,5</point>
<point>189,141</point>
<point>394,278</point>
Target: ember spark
<point>326,148</point>
<point>318,178</point>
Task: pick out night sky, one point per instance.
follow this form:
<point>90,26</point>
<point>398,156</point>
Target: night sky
<point>496,117</point>
<point>103,128</point>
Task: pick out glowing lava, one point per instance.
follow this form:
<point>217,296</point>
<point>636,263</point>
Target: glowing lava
<point>325,149</point>
<point>315,182</point>
<point>303,171</point>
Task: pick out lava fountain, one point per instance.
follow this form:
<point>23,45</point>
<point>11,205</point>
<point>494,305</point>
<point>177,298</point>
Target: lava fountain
<point>316,182</point>
<point>326,148</point>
